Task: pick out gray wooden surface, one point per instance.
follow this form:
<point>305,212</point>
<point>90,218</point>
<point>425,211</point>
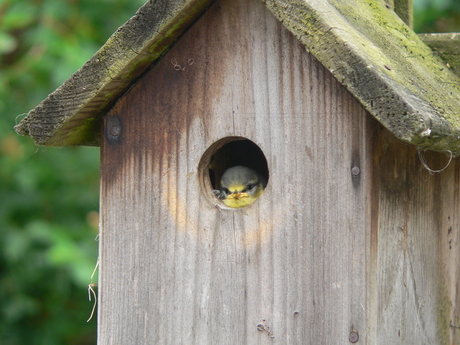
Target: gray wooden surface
<point>416,266</point>
<point>71,115</point>
<point>447,46</point>
<point>320,255</point>
<point>405,10</point>
<point>366,46</point>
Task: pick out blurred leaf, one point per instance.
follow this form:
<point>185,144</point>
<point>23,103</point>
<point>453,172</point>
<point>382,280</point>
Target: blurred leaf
<point>437,16</point>
<point>7,43</point>
<point>49,196</point>
<point>19,14</point>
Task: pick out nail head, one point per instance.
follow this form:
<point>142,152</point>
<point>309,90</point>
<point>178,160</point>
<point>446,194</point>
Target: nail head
<point>353,337</point>
<point>355,171</point>
<point>115,130</point>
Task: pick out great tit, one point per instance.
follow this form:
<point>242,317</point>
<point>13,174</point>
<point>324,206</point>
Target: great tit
<point>240,186</point>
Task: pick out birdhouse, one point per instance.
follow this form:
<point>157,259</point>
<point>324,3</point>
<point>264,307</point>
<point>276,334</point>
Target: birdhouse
<point>348,117</point>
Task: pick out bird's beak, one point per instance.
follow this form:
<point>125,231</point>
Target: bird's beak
<point>237,196</point>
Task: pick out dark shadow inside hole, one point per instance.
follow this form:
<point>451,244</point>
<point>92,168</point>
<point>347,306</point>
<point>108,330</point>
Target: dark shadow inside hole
<point>237,152</point>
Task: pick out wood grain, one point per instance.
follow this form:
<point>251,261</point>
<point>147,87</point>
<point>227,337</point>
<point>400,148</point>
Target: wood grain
<point>447,46</point>
<point>405,10</point>
<point>319,255</point>
<point>383,63</point>
<point>72,114</point>
<point>417,268</point>
<point>367,47</point>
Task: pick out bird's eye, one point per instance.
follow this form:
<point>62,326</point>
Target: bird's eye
<point>249,186</point>
<point>225,190</point>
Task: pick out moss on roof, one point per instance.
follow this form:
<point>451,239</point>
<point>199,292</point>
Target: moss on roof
<point>367,47</point>
<point>384,64</point>
<point>71,115</point>
<point>447,46</point>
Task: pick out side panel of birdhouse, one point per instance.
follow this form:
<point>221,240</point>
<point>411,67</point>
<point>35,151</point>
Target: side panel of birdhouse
<point>416,265</point>
<point>293,268</point>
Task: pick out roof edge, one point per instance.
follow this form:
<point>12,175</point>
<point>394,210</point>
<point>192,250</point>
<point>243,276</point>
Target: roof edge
<point>367,47</point>
<point>447,46</point>
<point>384,64</point>
<point>71,114</point>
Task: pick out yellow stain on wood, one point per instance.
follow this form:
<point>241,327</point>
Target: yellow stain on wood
<point>188,223</point>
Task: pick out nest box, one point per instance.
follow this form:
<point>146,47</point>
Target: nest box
<point>353,240</point>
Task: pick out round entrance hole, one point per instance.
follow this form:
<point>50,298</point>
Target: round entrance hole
<point>249,167</point>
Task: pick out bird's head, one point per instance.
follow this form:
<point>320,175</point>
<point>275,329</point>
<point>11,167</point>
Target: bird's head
<point>240,186</point>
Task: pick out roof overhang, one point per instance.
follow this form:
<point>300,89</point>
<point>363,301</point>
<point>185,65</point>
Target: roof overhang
<point>366,46</point>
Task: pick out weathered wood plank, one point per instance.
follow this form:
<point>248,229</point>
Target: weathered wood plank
<point>366,46</point>
<point>176,269</point>
<point>447,46</point>
<point>374,54</point>
<point>71,115</point>
<point>376,252</point>
<point>405,10</point>
<point>416,270</point>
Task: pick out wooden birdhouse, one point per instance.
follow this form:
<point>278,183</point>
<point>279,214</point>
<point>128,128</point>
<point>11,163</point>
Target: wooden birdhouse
<point>338,106</point>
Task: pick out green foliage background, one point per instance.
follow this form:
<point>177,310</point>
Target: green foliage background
<point>49,197</point>
<point>436,16</point>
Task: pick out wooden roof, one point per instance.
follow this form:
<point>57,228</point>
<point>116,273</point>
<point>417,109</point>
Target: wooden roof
<point>367,47</point>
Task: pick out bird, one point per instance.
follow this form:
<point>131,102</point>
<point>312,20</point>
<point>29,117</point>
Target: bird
<point>240,186</point>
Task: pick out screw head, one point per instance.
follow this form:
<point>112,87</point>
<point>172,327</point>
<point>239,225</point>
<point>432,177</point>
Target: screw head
<point>355,171</point>
<point>115,130</point>
<point>353,337</point>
